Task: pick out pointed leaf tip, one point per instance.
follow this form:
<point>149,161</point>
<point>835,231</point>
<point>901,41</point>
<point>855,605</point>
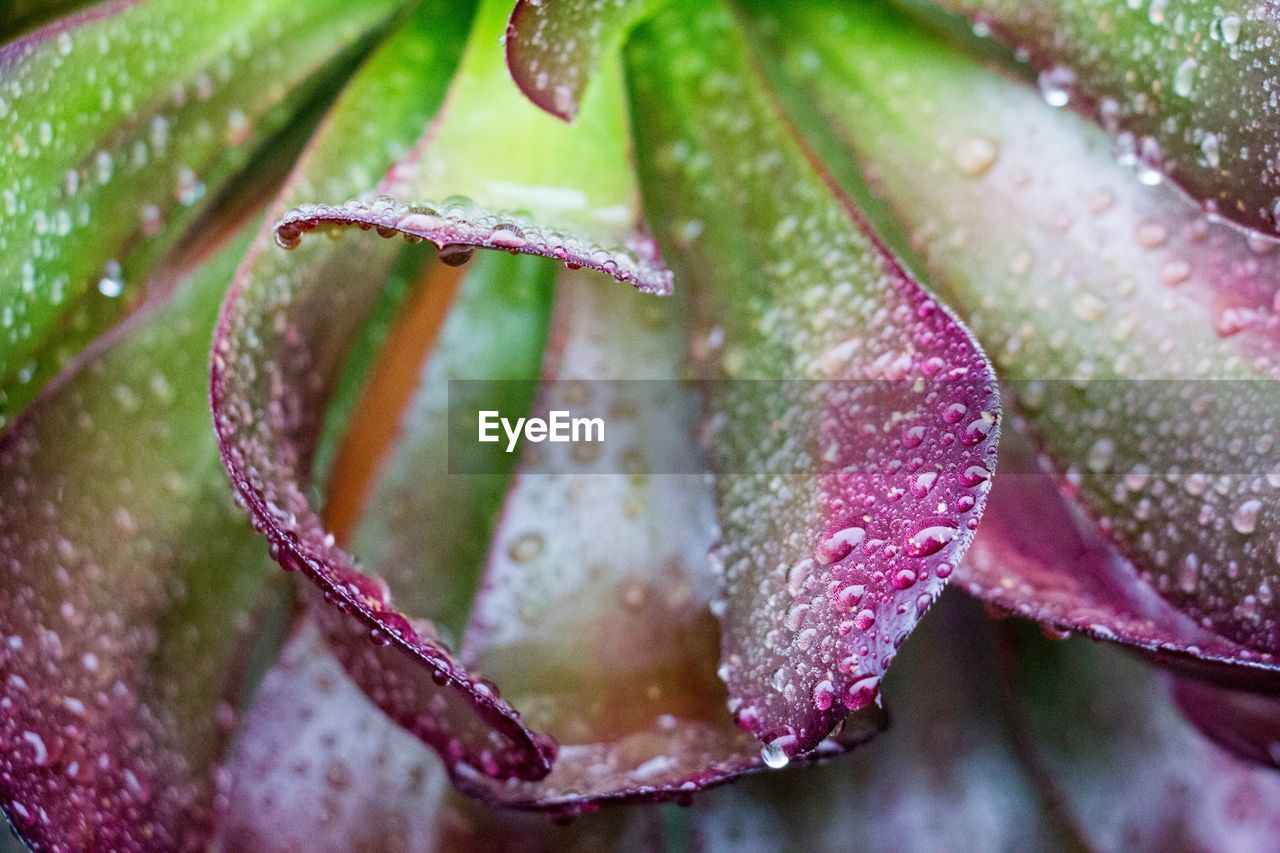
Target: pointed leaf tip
<point>851,413</point>
<point>554,47</point>
<point>1138,339</point>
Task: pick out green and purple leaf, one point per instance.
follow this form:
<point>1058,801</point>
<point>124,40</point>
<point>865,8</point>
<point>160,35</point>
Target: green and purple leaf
<point>1085,286</point>
<point>554,46</point>
<point>1184,88</point>
<point>595,612</point>
<point>852,418</point>
<point>287,328</point>
<point>121,124</point>
<point>128,585</point>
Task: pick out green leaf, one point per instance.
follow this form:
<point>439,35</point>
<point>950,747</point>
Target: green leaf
<point>157,105</point>
<point>1086,287</point>
<point>1183,87</point>
<point>538,187</point>
<point>847,406</point>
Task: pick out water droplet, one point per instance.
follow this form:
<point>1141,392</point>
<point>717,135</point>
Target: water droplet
<point>526,547</point>
<point>1184,78</point>
<point>774,753</point>
<point>929,539</point>
<point>1229,27</point>
<point>976,156</point>
<point>1245,517</point>
<point>838,545</point>
<point>1209,155</point>
<point>1056,84</point>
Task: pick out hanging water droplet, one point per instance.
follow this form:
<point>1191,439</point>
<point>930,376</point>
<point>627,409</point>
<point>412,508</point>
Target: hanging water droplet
<point>1056,84</point>
<point>774,755</point>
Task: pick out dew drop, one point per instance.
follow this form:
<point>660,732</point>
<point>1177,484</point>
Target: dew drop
<point>1184,78</point>
<point>1245,517</point>
<point>1056,84</point>
<point>929,539</point>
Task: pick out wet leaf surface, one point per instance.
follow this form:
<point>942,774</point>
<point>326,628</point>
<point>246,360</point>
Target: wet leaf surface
<point>1139,338</point>
<point>849,411</point>
<point>157,106</point>
<point>1183,88</point>
<point>128,583</point>
<point>554,48</point>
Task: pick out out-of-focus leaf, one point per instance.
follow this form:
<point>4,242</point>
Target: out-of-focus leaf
<point>1242,721</point>
<point>539,187</point>
<point>18,16</point>
<point>1077,741</point>
<point>1062,572</point>
<point>126,587</point>
<point>318,767</point>
<point>851,413</point>
<point>1133,772</point>
<point>947,776</point>
<point>285,332</point>
<point>1084,285</point>
<point>554,48</point>
<point>1185,88</point>
<point>119,124</point>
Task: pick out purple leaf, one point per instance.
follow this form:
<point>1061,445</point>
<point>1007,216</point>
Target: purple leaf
<point>850,412</point>
<point>127,586</point>
<point>1242,721</point>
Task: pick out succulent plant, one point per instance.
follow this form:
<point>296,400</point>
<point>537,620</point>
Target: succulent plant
<point>840,279</point>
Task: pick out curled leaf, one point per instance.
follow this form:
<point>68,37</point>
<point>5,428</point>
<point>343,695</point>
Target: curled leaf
<point>846,404</point>
<point>1140,338</point>
<point>553,48</point>
<point>286,329</point>
<point>1183,88</point>
<point>595,611</point>
<point>157,106</point>
<point>565,193</point>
